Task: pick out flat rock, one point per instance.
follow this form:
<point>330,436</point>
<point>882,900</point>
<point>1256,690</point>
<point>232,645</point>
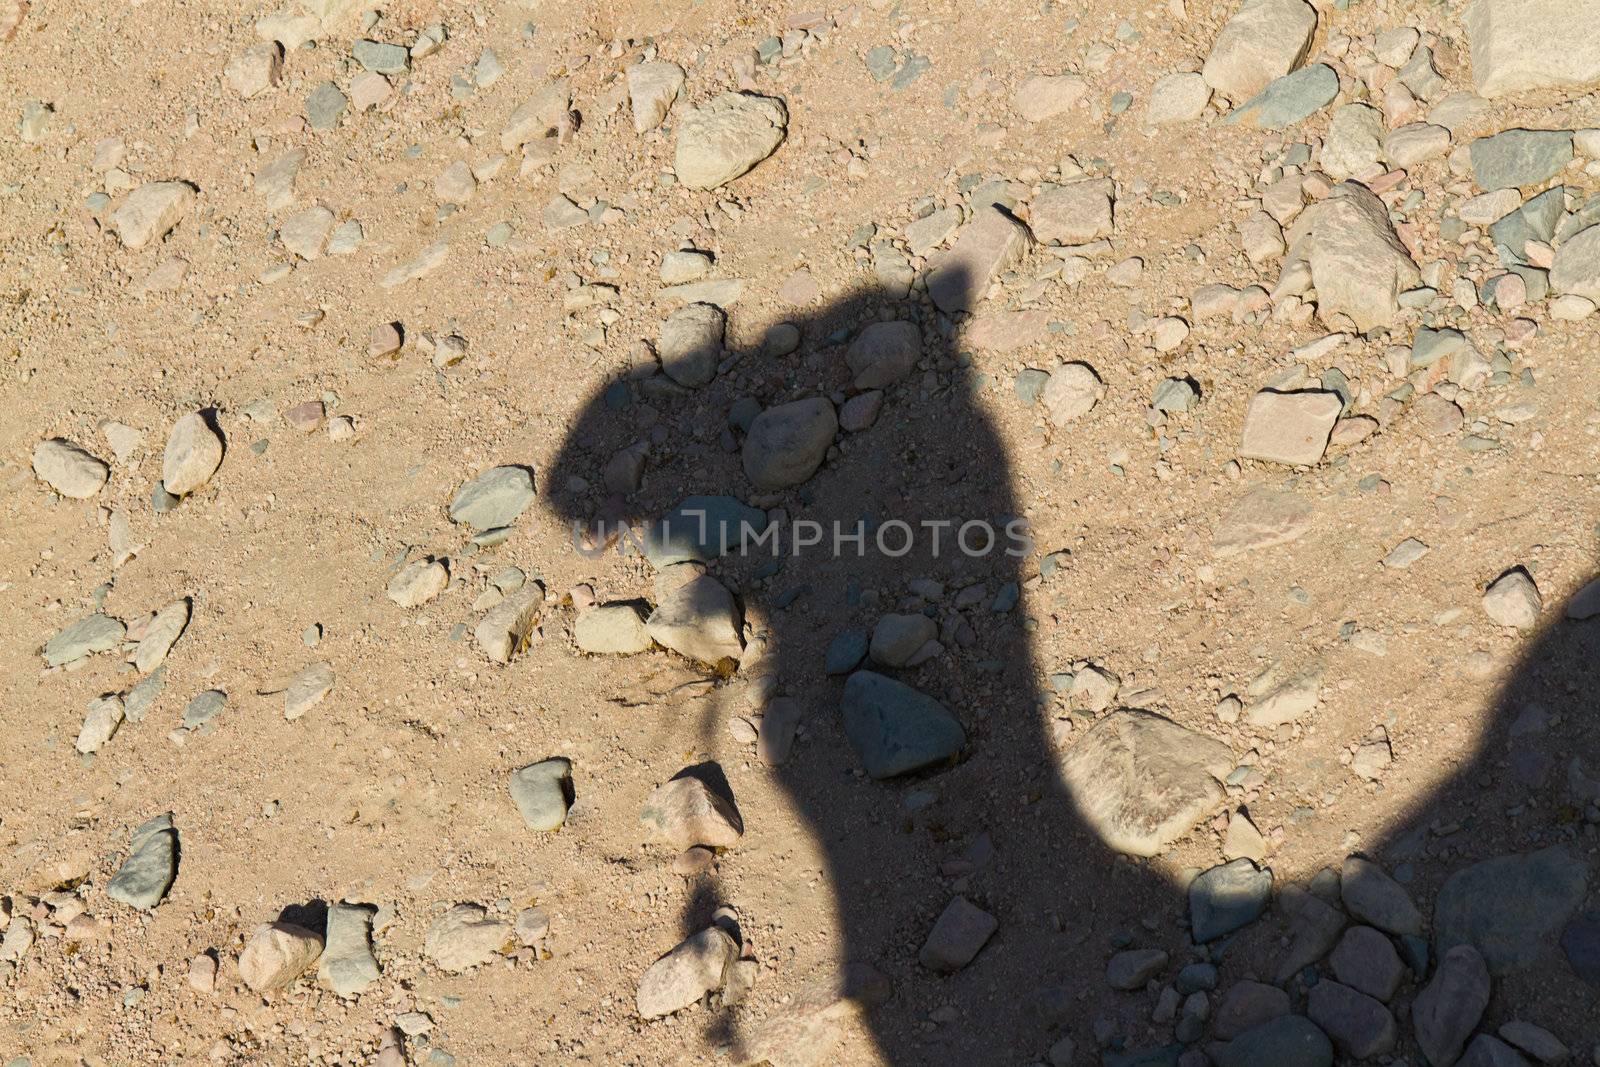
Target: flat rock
<point>1075,213</point>
<point>726,136</point>
<point>539,117</point>
<point>305,233</point>
<point>787,443</point>
<point>494,498</point>
<point>652,87</point>
<point>685,812</point>
<point>1448,1009</point>
<point>697,966</point>
<point>1177,98</point>
<point>1261,519</point>
<point>307,689</point>
<point>192,456</point>
<point>507,628</point>
<point>990,242</point>
<point>1486,1051</point>
<point>895,729</point>
<point>1286,701</point>
<point>160,635</point>
<point>1227,898</point>
<point>1576,268</point>
<point>540,791</point>
<point>100,723</point>
<point>69,469</point>
<point>1290,428</point>
<point>1358,265</point>
<point>1141,781</point>
<point>1245,1006</point>
<point>1516,158</point>
<point>701,529</point>
<point>418,582</point>
<point>1512,908</point>
<point>1361,1027</point>
<point>1511,45</point>
<point>612,630</point>
<point>1366,961</point>
<point>464,937</point>
<point>700,620</point>
<point>1288,100</point>
<point>274,183</point>
<point>1372,896</point>
<point>152,211</point>
<point>348,965</point>
<point>203,708</point>
<point>151,866</point>
<point>1263,40</point>
<point>961,931</point>
<point>1130,969</point>
<point>883,353</point>
<point>690,346</point>
<point>1045,96</point>
<point>94,633</point>
<point>277,954</point>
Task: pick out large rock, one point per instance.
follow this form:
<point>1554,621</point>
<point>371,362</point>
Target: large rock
<point>895,729</point>
<point>465,936</point>
<point>685,812</point>
<point>1515,44</point>
<point>1511,908</point>
<point>652,87</point>
<point>1514,158</point>
<point>151,211</point>
<point>69,469</point>
<point>1073,213</point>
<point>193,454</point>
<point>701,529</point>
<point>1447,1011</point>
<point>1265,39</point>
<point>1360,1026</point>
<point>91,634</point>
<point>991,242</point>
<point>1141,781</point>
<point>786,444</point>
<point>701,620</point>
<point>1358,265</point>
<point>494,498</point>
<point>726,136</point>
<point>1290,428</point>
<point>1576,268</point>
<point>1377,899</point>
<point>690,346</point>
<point>151,866</point>
<point>697,966</point>
<point>883,353</point>
<point>541,791</point>
<point>277,954</point>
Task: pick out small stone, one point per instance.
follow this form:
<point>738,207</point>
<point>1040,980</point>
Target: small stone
<point>1361,1027</point>
<point>276,955</point>
<point>1072,391</point>
<point>1358,264</point>
<point>1536,1041</point>
<point>727,136</point>
<point>685,811</point>
<point>324,106</point>
<point>307,689</point>
<point>494,498</point>
<point>69,469</point>
<point>697,966</point>
<point>846,651</point>
<point>464,937</point>
<point>541,791</point>
<point>1227,898</point>
<point>99,724</point>
<point>652,87</point>
<point>1075,213</point>
<point>961,931</point>
<point>861,411</point>
<point>160,635</point>
<point>897,638</point>
<point>700,620</point>
<point>306,417</point>
<point>775,736</point>
<point>1285,1041</point>
<point>1513,600</point>
<point>1262,518</point>
<point>385,340</point>
<point>89,635</point>
<point>884,353</point>
<point>1290,428</point>
<point>989,244</point>
<point>1448,1009</point>
<point>151,212</point>
<point>455,184</point>
<point>151,867</point>
<point>1177,98</point>
<point>1576,271</point>
<point>786,444</point>
<point>256,69</point>
<point>1367,961</point>
<point>1288,100</point>
<point>1247,1005</point>
<point>418,582</point>
<point>1131,969</point>
<point>1353,142</point>
<point>691,341</point>
<point>1517,158</point>
<point>1372,896</point>
<point>894,729</point>
<point>202,976</point>
<point>1404,554</point>
<point>193,454</point>
<point>612,629</point>
<point>203,708</point>
<point>507,628</point>
<point>347,965</point>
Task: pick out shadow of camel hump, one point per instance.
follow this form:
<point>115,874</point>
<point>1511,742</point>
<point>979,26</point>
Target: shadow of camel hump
<point>802,501</point>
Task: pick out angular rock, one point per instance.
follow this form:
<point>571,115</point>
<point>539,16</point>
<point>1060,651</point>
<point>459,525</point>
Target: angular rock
<point>991,242</point>
<point>1517,158</point>
<point>464,937</point>
<point>1177,98</point>
<point>69,469</point>
<point>1132,968</point>
<point>1263,40</point>
<point>883,353</point>
<point>1075,213</point>
<point>1286,1041</point>
<point>1373,897</point>
<point>652,87</point>
<point>1513,600</point>
<point>541,791</point>
<point>1141,781</point>
<point>701,529</point>
<point>895,729</point>
<point>151,866</point>
<point>1448,1009</point>
<point>193,454</point>
<point>700,620</point>
<point>418,582</point>
<point>307,689</point>
<point>494,498</point>
<point>685,812</point>
<point>151,211</point>
<point>277,954</point>
<point>99,724</point>
<point>1358,265</point>
<point>347,965</point>
<point>786,444</point>
<point>160,635</point>
<point>1576,268</point>
<point>1290,428</point>
<point>612,629</point>
<point>1511,43</point>
<point>961,931</point>
<point>697,966</point>
<point>305,233</point>
<point>1045,96</point>
<point>1227,898</point>
<point>540,116</point>
<point>1260,519</point>
<point>1354,141</point>
<point>1286,701</point>
<point>94,633</point>
<point>1360,1026</point>
<point>507,628</point>
<point>1486,1051</point>
<point>727,136</point>
<point>1367,962</point>
<point>1288,100</point>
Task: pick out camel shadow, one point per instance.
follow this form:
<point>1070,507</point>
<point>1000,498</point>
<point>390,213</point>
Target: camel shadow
<point>965,874</point>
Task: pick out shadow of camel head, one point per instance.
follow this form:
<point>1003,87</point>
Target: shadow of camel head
<point>983,823</point>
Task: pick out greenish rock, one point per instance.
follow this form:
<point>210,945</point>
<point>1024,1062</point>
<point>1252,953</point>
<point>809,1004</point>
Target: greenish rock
<point>493,499</point>
<point>846,651</point>
<point>1289,99</point>
<point>1227,898</point>
<point>499,235</point>
<point>94,633</point>
<point>1287,1041</point>
<point>880,63</point>
<point>203,708</point>
<point>701,529</point>
<point>324,106</point>
<point>542,793</point>
<point>915,67</point>
<point>1516,158</point>
<point>151,866</point>
<point>347,964</point>
<point>1536,281</point>
<point>895,729</point>
<point>381,58</point>
<point>487,70</point>
<point>144,694</point>
<point>1120,102</point>
<point>1510,908</point>
<point>1174,395</point>
<point>768,49</point>
<point>1430,346</point>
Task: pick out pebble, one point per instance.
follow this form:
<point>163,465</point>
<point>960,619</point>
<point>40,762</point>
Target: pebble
<point>151,212</point>
<point>776,733</point>
<point>160,635</point>
<point>1044,96</point>
<point>307,689</point>
<point>612,629</point>
<point>700,620</point>
<point>385,340</point>
<point>1575,271</point>
<point>418,582</point>
<point>883,353</point>
<point>193,454</point>
<point>1289,100</point>
<point>1075,213</point>
<point>846,651</point>
<point>507,628</point>
<point>1245,1006</point>
<point>540,792</point>
<point>1361,1027</point>
<point>690,345</point>
<point>961,930</point>
<point>324,107</point>
<point>69,469</point>
<point>896,639</point>
<point>1516,158</point>
<point>1372,896</point>
<point>1131,969</point>
<point>1177,98</point>
<point>1513,600</point>
<point>203,708</point>
<point>99,724</point>
<point>277,954</point>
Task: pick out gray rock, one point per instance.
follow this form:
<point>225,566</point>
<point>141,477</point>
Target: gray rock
<point>1378,900</point>
<point>1360,1026</point>
<point>697,966</point>
<point>1228,898</point>
<point>1510,908</point>
<point>1536,1041</point>
<point>775,737</point>
<point>69,469</point>
<point>846,651</point>
<point>1288,100</point>
<point>94,633</point>
<point>1246,1006</point>
<point>883,353</point>
<point>494,498</point>
<point>193,454</point>
<point>203,708</point>
<point>701,529</point>
<point>1576,268</point>
<point>464,937</point>
<point>690,346</point>
<point>897,638</point>
<point>787,443</point>
<point>894,729</point>
<point>1141,781</point>
<point>541,791</point>
<point>1366,961</point>
<point>1132,968</point>
<point>151,866</point>
<point>307,689</point>
<point>1516,158</point>
<point>1287,1041</point>
<point>1580,941</point>
<point>1447,1011</point>
<point>1314,925</point>
<point>612,630</point>
<point>726,136</point>
<point>144,694</point>
<point>381,58</point>
<point>347,965</point>
<point>961,931</point>
<point>700,620</point>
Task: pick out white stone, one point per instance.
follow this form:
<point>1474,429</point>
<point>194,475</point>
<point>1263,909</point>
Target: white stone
<point>1265,39</point>
<point>1518,45</point>
<point>69,469</point>
<point>193,454</point>
<point>151,211</point>
<point>726,136</point>
<point>652,87</point>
